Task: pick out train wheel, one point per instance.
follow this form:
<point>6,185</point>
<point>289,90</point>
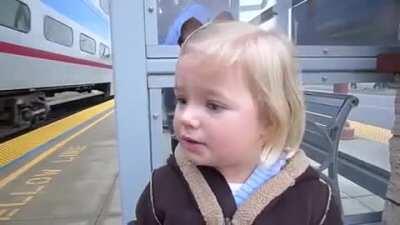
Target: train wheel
<point>28,110</point>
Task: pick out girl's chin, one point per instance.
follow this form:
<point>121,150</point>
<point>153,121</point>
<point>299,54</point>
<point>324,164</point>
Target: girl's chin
<point>194,148</point>
<point>198,160</point>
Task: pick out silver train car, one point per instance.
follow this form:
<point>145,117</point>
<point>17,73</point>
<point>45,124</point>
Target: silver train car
<point>43,52</point>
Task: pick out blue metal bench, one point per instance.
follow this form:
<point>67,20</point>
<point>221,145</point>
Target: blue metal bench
<point>326,114</point>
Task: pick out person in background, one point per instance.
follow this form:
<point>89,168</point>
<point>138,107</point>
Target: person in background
<point>187,28</point>
<point>195,12</point>
<point>224,16</point>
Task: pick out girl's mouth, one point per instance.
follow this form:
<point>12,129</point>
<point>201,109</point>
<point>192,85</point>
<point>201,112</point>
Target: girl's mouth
<point>190,140</point>
<point>191,144</point>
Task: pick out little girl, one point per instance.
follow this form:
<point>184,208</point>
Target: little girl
<point>239,120</point>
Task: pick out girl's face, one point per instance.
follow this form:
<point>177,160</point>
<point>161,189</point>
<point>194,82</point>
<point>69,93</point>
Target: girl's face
<point>216,118</point>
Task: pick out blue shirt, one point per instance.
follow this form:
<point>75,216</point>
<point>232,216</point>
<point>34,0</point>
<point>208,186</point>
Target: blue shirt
<point>199,12</point>
<point>259,176</point>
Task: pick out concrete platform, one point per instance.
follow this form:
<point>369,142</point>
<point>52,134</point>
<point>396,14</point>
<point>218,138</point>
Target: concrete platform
<point>75,185</point>
<point>356,199</point>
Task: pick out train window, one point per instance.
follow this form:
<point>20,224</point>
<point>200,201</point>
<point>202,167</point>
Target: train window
<point>104,51</point>
<point>87,44</point>
<point>15,15</point>
<point>57,32</point>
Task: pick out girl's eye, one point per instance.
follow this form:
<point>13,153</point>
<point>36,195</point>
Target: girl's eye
<point>214,107</point>
<point>180,101</point>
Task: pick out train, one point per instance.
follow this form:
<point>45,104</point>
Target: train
<point>44,52</point>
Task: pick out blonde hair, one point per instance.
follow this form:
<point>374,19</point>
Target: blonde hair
<point>267,60</point>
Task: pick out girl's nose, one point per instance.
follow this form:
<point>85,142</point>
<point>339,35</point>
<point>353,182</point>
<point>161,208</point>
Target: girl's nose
<point>189,118</point>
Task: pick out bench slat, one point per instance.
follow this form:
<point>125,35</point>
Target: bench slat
<point>327,122</point>
<point>323,108</point>
<point>322,144</point>
<point>325,98</point>
<point>315,135</point>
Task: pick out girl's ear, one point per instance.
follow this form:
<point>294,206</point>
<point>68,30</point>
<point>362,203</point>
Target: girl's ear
<point>263,136</point>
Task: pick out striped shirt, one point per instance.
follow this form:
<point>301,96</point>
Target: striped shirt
<point>260,175</point>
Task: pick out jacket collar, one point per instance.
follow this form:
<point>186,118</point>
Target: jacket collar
<point>209,205</point>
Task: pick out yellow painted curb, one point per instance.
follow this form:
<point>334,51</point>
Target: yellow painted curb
<point>17,147</point>
<point>371,132</point>
<point>4,181</point>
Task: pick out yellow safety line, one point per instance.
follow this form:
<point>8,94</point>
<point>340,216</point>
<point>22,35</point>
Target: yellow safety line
<point>23,169</point>
<point>17,147</point>
<point>371,132</point>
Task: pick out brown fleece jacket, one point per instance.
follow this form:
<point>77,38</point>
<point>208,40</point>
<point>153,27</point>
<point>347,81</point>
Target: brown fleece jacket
<point>181,193</point>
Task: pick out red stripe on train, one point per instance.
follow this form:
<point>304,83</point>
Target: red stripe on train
<point>36,53</point>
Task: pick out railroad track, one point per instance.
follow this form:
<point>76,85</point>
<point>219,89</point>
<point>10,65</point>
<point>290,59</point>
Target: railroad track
<point>58,109</point>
